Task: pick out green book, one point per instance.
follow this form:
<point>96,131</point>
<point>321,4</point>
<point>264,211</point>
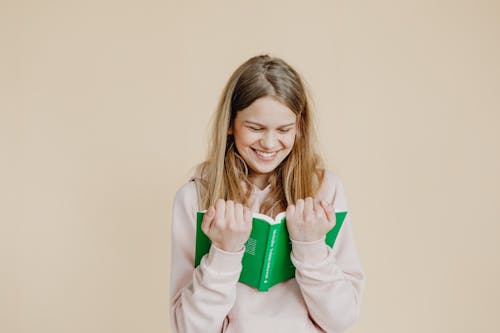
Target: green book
<point>266,261</point>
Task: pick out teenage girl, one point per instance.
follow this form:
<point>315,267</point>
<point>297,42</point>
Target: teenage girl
<point>263,158</point>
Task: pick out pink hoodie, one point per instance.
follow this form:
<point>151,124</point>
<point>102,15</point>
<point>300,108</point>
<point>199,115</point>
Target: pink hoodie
<point>324,296</point>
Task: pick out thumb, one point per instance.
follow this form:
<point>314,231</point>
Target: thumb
<point>208,218</point>
<point>253,204</point>
<point>247,215</point>
<point>328,208</point>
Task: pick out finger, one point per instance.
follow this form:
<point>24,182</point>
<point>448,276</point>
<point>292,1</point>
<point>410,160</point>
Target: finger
<point>318,209</point>
<point>328,208</point>
<point>208,218</point>
<point>299,207</point>
<point>308,206</point>
<point>230,211</point>
<point>247,215</point>
<point>290,211</point>
<point>238,212</point>
<point>220,211</point>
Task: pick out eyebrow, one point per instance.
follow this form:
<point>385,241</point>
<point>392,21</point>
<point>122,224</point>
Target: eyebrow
<point>257,124</point>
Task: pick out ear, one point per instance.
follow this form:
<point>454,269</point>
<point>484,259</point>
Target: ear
<point>230,130</point>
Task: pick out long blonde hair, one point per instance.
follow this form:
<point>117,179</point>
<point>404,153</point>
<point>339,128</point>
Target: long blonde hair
<point>298,176</point>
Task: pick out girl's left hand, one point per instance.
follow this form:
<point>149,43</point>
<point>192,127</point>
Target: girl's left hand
<point>309,220</point>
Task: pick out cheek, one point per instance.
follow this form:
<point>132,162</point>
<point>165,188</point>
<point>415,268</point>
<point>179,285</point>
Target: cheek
<point>289,141</point>
<point>244,137</point>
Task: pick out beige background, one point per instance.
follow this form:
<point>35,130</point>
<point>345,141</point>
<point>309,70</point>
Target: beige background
<point>104,106</point>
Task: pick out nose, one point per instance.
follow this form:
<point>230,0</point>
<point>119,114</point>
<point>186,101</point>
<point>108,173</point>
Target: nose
<point>269,141</point>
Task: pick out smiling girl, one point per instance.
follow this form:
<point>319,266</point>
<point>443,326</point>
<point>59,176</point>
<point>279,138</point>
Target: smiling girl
<point>263,158</point>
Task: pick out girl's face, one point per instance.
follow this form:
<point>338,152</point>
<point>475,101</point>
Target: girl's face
<point>264,134</point>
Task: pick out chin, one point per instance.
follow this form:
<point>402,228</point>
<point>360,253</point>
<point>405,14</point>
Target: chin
<point>265,170</point>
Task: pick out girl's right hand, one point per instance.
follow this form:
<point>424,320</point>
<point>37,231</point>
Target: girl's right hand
<point>228,225</point>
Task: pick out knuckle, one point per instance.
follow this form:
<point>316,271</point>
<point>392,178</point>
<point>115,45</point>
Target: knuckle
<point>309,218</point>
<point>216,225</point>
<point>232,226</point>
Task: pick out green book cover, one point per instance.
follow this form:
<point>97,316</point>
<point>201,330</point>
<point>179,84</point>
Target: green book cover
<point>266,261</point>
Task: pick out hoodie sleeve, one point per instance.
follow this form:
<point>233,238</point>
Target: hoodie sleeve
<point>200,298</point>
<point>331,280</point>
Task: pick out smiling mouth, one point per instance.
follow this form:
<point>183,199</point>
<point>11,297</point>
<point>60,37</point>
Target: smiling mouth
<point>266,156</point>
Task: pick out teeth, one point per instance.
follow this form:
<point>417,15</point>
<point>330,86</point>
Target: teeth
<point>264,154</point>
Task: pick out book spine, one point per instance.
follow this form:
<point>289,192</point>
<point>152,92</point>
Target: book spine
<point>268,258</point>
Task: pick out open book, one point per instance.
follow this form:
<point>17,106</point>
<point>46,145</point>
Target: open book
<point>266,261</point>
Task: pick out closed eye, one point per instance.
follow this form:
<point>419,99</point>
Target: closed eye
<point>286,129</point>
<point>255,129</point>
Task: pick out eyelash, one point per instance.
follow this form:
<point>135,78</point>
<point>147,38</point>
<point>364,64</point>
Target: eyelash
<point>258,129</point>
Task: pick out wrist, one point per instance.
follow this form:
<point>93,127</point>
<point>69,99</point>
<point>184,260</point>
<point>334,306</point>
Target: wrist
<point>231,248</point>
<point>223,261</point>
<point>310,251</point>
<point>307,238</point>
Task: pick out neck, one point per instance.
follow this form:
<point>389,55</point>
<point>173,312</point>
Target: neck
<point>260,181</point>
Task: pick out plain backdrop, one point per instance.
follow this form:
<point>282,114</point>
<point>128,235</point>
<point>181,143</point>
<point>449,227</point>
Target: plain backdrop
<point>104,108</point>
